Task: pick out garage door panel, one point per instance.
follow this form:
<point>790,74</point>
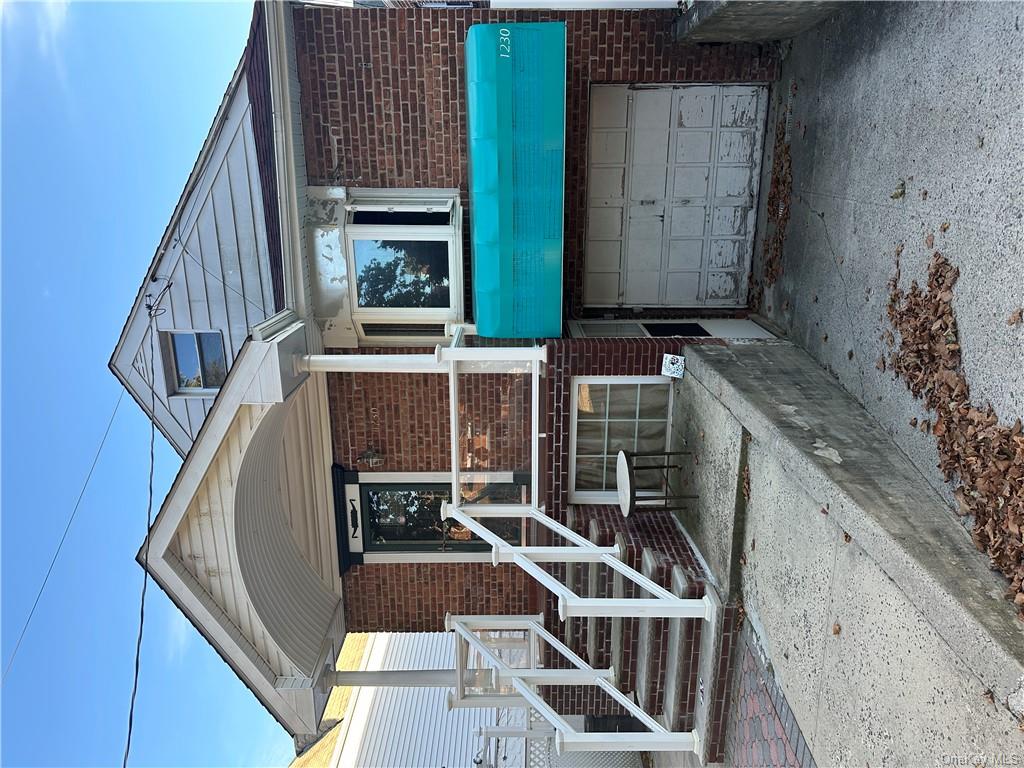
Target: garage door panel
<point>729,220</point>
<point>604,223</point>
<point>601,288</point>
<point>650,148</point>
<point>652,108</point>
<point>736,147</point>
<point>696,107</point>
<point>644,253</point>
<point>644,249</point>
<point>739,107</point>
<point>608,107</point>
<point>647,182</point>
<point>688,221</point>
<point>608,183</point>
<point>643,288</point>
<point>682,288</point>
<point>722,287</point>
<point>691,181</point>
<point>604,255</point>
<point>694,146</point>
<point>725,254</point>
<point>733,181</point>
<point>685,254</point>
<point>608,147</point>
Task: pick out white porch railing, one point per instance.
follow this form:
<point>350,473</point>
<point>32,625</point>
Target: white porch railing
<point>518,687</point>
<point>662,604</point>
<point>498,640</point>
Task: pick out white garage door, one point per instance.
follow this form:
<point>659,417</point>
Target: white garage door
<point>672,194</point>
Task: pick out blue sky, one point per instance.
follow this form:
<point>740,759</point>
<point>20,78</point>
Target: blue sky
<point>104,110</point>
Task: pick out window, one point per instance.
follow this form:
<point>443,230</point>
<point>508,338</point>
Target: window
<point>407,518</point>
<point>611,414</point>
<point>405,261</point>
<point>197,359</point>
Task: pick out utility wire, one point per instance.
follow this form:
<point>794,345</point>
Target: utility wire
<point>154,310</point>
<point>63,537</point>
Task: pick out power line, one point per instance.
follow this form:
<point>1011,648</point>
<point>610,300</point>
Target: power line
<point>63,537</point>
<point>154,310</point>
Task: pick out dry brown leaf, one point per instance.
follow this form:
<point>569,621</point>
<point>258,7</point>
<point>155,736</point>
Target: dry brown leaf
<point>836,629</point>
<point>929,242</point>
<point>944,227</point>
<point>984,457</point>
<point>1016,317</point>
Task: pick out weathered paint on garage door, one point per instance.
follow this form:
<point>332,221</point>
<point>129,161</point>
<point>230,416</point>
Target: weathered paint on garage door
<point>672,194</point>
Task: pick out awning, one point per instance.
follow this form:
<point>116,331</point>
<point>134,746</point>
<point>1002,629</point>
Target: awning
<point>516,111</point>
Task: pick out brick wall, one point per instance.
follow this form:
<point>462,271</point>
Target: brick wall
<point>405,418</point>
<point>414,597</point>
<point>590,357</point>
<point>383,95</point>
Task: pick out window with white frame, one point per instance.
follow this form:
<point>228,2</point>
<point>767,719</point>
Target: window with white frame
<point>404,252</point>
<point>612,414</point>
<point>194,361</point>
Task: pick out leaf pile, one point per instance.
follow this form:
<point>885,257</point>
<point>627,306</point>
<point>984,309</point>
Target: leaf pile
<point>987,458</point>
<point>779,195</point>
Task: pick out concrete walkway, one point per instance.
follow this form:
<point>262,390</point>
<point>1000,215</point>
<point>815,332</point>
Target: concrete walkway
<point>884,628</point>
<point>929,96</point>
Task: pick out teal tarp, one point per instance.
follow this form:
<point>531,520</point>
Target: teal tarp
<point>515,95</point>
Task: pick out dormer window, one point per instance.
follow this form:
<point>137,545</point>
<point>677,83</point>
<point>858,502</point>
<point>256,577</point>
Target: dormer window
<point>197,361</point>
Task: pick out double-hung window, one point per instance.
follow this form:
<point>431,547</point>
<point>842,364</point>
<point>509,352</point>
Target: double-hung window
<point>404,251</point>
<point>612,414</point>
<point>194,361</point>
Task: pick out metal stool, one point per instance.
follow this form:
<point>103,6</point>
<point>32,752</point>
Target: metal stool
<point>625,481</point>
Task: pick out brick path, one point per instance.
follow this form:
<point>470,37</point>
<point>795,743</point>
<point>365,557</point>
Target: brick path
<point>762,728</point>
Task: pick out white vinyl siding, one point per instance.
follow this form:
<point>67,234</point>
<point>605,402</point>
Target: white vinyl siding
<point>217,265</point>
<point>404,727</point>
<point>205,541</point>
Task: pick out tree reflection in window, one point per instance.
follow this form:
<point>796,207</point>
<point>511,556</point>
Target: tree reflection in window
<point>401,274</point>
<point>408,518</point>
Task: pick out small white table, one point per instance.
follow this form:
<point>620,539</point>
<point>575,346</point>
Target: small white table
<point>625,482</point>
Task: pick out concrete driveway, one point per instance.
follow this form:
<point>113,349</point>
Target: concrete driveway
<point>927,99</point>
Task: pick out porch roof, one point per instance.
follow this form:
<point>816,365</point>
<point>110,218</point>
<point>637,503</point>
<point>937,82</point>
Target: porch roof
<point>225,543</point>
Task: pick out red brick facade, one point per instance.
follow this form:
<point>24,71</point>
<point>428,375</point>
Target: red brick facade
<point>383,105</point>
<point>414,597</point>
<point>405,419</point>
<point>383,95</point>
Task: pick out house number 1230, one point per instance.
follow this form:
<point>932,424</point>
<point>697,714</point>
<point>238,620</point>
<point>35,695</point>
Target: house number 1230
<point>504,43</point>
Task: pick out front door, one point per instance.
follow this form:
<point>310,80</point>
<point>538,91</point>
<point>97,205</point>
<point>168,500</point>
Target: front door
<point>406,517</point>
<point>673,177</point>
